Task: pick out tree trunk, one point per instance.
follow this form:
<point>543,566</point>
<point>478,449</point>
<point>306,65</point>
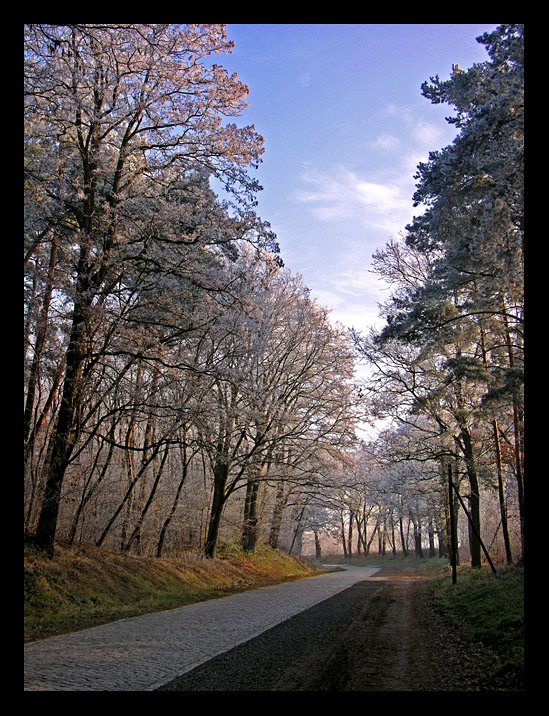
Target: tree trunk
<point>418,538</point>
<point>65,433</point>
<point>298,532</point>
<point>369,544</point>
<point>343,540</point>
<point>318,548</point>
<point>40,330</point>
<point>393,538</point>
<point>497,452</point>
<point>501,495</point>
<point>87,494</point>
<point>432,550</point>
<point>474,498</point>
<point>250,522</point>
<point>518,436</point>
<point>403,539</point>
<point>350,535</point>
<point>360,538</point>
<point>220,474</point>
<point>164,529</point>
<point>126,498</point>
<point>276,520</point>
<point>137,529</point>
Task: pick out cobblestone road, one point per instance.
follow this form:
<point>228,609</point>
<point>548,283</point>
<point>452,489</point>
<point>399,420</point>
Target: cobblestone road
<point>143,653</point>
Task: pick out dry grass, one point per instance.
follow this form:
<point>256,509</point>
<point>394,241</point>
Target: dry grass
<point>86,586</point>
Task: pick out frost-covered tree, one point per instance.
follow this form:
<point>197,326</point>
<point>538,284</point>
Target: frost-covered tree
<point>452,347</point>
<point>117,117</point>
<point>281,396</point>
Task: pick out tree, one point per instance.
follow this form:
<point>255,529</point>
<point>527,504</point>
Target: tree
<point>453,342</point>
<point>116,117</point>
<point>482,178</point>
<point>282,391</point>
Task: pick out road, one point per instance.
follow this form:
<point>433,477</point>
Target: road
<point>380,634</point>
<point>151,652</point>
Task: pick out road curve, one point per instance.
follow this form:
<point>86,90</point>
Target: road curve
<point>144,653</point>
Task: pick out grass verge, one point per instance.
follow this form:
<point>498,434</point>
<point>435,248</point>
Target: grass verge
<point>85,586</point>
<point>489,609</point>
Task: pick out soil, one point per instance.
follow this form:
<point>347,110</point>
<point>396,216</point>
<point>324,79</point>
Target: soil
<point>397,642</point>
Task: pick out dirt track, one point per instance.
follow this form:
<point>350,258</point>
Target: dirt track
<point>397,642</point>
<point>382,634</point>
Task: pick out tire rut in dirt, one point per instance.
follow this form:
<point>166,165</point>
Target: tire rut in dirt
<point>378,635</point>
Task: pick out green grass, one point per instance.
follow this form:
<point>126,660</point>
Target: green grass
<point>490,611</point>
<point>396,564</point>
<point>87,586</point>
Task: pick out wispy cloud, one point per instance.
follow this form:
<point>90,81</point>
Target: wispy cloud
<point>357,190</point>
<point>360,315</point>
<point>388,143</point>
<point>344,194</point>
<point>358,281</point>
<point>356,206</point>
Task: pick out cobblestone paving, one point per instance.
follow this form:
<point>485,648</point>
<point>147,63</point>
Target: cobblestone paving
<point>143,653</point>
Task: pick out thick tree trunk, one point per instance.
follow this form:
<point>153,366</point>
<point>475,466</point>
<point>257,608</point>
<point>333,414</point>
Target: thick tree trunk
<point>221,473</point>
<point>276,520</point>
<point>250,522</point>
<point>318,546</point>
<point>474,498</point>
<point>432,549</point>
<point>64,436</point>
<point>418,538</point>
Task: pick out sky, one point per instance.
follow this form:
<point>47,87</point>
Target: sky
<point>345,126</point>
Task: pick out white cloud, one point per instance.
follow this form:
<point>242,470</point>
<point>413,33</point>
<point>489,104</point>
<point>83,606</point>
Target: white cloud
<point>388,142</point>
<point>360,281</point>
<point>356,314</point>
<point>428,134</point>
<point>416,132</point>
<point>356,206</point>
<point>376,193</point>
<point>344,194</point>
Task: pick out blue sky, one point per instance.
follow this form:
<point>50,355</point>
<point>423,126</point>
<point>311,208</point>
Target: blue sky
<point>345,126</point>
